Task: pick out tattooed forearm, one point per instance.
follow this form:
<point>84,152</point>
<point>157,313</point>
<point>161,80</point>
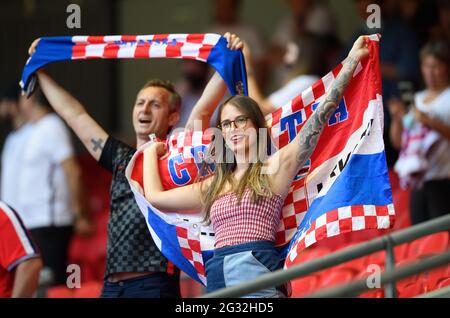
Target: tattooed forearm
<point>97,144</point>
<point>310,133</point>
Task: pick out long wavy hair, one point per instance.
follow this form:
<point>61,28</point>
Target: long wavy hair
<point>225,161</point>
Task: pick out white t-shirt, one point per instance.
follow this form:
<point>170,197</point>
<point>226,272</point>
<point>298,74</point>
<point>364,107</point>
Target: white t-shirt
<point>43,189</point>
<point>292,89</point>
<point>439,108</point>
<point>12,164</point>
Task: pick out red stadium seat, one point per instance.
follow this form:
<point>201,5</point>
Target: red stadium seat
<point>408,280</point>
<point>60,291</point>
<point>429,245</point>
<point>336,278</point>
<point>304,285</point>
<point>190,288</point>
<point>411,290</point>
<point>444,283</point>
<point>377,258</point>
<point>371,293</point>
<point>433,277</point>
<point>311,253</point>
<point>377,293</point>
<point>401,252</point>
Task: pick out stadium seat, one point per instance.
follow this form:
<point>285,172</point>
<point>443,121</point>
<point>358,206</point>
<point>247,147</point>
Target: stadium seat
<point>189,288</point>
<point>304,285</point>
<point>356,265</point>
<point>377,258</point>
<point>60,291</point>
<point>377,293</point>
<point>372,293</point>
<point>411,290</point>
<point>433,277</point>
<point>311,253</point>
<point>401,252</point>
<point>429,245</point>
<point>408,280</point>
<point>444,283</point>
<point>335,278</point>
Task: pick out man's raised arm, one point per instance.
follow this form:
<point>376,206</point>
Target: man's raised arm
<point>91,134</point>
<point>74,114</point>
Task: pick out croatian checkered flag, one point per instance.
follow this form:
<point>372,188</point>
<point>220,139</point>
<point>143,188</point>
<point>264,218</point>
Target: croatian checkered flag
<point>206,47</point>
<point>344,186</point>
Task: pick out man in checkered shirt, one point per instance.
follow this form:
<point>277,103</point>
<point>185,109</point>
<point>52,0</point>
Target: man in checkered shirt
<point>134,266</point>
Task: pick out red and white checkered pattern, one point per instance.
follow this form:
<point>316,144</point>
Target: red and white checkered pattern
<point>194,46</point>
<point>247,221</point>
<point>342,220</point>
<point>184,141</point>
<point>191,249</point>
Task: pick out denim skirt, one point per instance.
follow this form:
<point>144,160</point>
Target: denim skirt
<point>232,265</point>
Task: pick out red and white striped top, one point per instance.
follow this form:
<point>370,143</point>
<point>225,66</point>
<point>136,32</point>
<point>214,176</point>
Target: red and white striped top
<point>248,221</point>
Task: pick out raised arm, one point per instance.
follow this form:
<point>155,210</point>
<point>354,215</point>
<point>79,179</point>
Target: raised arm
<point>213,93</point>
<point>72,112</point>
<point>254,91</point>
<point>294,155</point>
<point>182,199</point>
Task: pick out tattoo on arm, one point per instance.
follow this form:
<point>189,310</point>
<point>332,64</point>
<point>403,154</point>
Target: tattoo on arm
<point>97,144</point>
<point>310,133</point>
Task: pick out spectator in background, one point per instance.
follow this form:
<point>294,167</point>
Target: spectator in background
<point>420,16</point>
<point>48,185</point>
<point>20,262</point>
<point>399,52</point>
<point>194,76</point>
<point>13,148</point>
<point>226,19</point>
<point>423,134</point>
<point>308,18</point>
<point>306,67</point>
<point>442,29</point>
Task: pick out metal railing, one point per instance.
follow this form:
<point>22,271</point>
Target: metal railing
<point>388,278</point>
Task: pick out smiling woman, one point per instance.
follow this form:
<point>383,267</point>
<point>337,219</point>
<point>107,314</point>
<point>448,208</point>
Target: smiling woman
<point>242,203</point>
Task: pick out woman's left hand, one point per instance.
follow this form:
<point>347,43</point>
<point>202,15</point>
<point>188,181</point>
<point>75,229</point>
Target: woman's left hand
<point>234,42</point>
<point>158,148</point>
<point>360,49</point>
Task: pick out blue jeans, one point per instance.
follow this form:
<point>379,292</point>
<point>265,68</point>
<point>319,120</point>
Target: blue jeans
<point>232,265</point>
<point>157,285</point>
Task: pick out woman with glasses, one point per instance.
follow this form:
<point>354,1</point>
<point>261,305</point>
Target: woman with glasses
<point>244,197</point>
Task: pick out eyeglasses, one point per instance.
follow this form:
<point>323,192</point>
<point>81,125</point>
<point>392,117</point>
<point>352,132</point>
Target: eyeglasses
<point>239,122</point>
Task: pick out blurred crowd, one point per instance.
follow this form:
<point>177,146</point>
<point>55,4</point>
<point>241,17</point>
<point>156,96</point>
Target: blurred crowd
<point>62,205</point>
